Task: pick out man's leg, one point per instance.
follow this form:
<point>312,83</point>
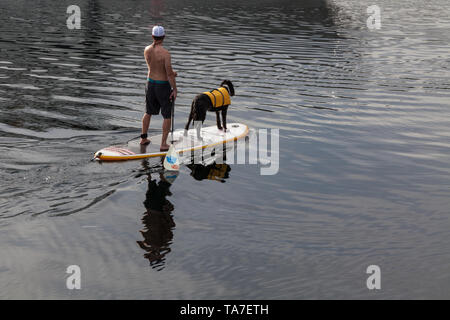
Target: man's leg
<point>145,124</point>
<point>166,129</point>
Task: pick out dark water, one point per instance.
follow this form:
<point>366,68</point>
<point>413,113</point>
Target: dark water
<point>364,173</point>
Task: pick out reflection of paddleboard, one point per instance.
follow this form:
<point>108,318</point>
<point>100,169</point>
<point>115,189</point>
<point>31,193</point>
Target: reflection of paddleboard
<point>211,136</point>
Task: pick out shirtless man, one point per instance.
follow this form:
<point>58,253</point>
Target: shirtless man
<point>161,88</point>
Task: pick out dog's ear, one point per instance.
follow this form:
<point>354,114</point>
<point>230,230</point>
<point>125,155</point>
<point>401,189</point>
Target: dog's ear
<point>229,85</point>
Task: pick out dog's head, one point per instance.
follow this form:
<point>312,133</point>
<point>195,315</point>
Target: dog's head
<point>229,86</point>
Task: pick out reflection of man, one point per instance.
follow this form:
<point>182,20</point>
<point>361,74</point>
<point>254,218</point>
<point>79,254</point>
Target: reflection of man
<point>161,87</point>
<point>158,222</point>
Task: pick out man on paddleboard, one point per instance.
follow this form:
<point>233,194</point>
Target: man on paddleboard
<point>161,87</point>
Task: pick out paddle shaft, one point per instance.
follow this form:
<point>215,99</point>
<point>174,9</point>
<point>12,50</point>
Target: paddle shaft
<point>172,114</point>
<point>172,117</point>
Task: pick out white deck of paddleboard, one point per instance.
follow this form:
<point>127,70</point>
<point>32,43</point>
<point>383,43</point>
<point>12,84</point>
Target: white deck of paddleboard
<point>211,136</point>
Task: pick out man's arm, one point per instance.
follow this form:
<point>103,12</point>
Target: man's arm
<point>147,56</point>
<point>171,76</point>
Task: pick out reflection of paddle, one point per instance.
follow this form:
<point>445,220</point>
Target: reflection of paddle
<point>172,160</point>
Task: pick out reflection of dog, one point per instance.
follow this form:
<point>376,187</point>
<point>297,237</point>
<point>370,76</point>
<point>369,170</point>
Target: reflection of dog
<point>215,171</point>
<point>216,100</point>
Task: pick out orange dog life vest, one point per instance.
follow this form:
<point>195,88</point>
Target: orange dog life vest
<point>219,97</point>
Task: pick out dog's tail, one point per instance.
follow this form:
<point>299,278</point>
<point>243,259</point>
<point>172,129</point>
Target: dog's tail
<point>229,85</point>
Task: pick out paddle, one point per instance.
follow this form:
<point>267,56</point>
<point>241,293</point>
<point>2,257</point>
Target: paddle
<point>172,160</point>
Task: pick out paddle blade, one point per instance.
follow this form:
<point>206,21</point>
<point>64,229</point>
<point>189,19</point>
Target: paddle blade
<point>172,160</point>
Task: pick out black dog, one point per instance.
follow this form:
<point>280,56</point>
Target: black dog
<point>216,100</point>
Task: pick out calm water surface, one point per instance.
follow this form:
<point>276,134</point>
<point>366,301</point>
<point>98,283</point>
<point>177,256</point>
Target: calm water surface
<point>364,172</point>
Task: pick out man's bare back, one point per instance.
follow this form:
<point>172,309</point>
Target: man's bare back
<point>159,64</point>
<point>156,62</point>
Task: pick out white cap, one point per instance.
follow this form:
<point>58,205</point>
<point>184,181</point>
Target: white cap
<point>158,31</point>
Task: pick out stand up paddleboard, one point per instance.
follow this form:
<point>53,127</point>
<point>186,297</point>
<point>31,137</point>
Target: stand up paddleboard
<point>211,136</point>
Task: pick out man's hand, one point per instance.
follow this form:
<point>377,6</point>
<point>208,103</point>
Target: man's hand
<point>173,95</point>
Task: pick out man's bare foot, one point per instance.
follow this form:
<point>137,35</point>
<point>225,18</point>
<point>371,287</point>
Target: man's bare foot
<point>164,147</point>
<point>145,141</point>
